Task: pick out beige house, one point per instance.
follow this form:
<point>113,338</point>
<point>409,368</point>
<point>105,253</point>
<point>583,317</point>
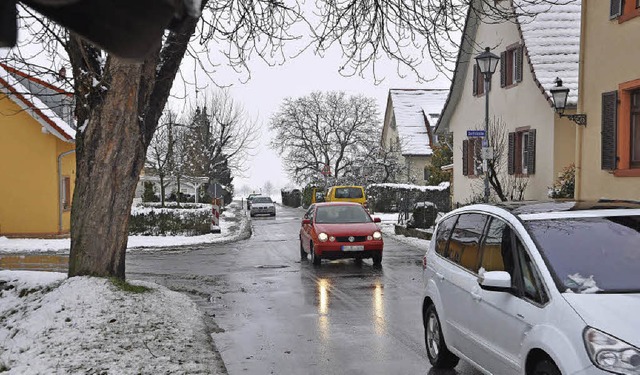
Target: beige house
<point>533,143</point>
<point>409,121</point>
<point>608,152</point>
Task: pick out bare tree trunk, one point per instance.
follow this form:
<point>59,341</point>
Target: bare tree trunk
<point>162,190</point>
<point>107,169</point>
<point>111,152</point>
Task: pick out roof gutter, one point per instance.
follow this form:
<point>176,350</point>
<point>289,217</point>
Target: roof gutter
<point>60,208</point>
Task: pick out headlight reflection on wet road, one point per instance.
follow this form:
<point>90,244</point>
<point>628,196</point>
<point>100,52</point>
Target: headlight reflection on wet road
<point>323,308</point>
<point>378,309</point>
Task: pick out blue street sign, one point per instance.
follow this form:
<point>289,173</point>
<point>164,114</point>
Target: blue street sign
<point>475,133</point>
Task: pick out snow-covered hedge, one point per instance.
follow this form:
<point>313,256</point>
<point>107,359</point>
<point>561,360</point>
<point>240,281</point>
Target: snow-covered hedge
<point>393,197</point>
<point>188,220</point>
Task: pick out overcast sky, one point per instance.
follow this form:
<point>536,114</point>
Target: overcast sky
<point>262,95</point>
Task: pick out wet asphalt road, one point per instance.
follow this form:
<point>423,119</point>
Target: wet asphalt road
<point>278,315</point>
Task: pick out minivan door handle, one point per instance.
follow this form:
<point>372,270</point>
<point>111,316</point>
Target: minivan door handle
<point>440,276</point>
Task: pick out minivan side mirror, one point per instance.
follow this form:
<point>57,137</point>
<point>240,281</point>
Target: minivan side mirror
<point>306,222</point>
<point>376,220</point>
<point>495,281</point>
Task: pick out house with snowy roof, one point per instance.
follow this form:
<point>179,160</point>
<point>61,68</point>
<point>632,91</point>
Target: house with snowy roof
<point>37,156</point>
<point>407,133</point>
<point>608,153</point>
<point>531,144</point>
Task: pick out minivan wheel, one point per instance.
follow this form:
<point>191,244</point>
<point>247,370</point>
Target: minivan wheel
<point>439,355</point>
<point>545,367</point>
<point>314,258</point>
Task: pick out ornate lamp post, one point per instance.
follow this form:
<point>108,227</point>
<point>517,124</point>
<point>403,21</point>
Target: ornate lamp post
<point>487,63</point>
<point>559,94</point>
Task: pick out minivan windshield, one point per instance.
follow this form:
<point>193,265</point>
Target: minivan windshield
<point>591,255</point>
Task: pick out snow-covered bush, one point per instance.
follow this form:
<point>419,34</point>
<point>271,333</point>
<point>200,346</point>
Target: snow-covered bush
<point>564,184</point>
<point>188,220</point>
<point>395,197</point>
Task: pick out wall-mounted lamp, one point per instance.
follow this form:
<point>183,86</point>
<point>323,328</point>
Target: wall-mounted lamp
<point>559,94</point>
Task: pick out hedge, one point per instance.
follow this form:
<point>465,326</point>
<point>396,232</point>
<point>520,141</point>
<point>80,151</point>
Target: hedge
<point>188,220</point>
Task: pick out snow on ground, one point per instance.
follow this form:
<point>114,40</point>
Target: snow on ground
<point>234,226</point>
<point>388,229</point>
<point>84,325</point>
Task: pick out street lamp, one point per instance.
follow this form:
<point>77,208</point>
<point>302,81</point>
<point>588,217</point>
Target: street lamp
<point>559,94</point>
<point>487,63</point>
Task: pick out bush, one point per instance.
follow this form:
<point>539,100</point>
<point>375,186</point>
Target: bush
<point>424,215</point>
<point>394,197</point>
<point>190,220</point>
<point>149,194</point>
<point>565,183</point>
<point>291,198</point>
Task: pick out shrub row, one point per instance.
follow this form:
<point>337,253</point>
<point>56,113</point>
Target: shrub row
<point>399,197</point>
<point>185,221</point>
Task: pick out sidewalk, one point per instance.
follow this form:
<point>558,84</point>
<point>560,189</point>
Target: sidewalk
<point>234,225</point>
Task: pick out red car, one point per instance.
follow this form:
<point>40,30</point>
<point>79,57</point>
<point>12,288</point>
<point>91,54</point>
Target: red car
<point>336,230</point>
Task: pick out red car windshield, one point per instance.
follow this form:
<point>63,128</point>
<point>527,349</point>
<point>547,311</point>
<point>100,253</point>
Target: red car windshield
<point>341,215</point>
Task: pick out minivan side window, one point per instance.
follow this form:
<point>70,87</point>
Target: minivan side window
<point>531,282</point>
<point>464,246</point>
<point>497,252</point>
<point>444,232</point>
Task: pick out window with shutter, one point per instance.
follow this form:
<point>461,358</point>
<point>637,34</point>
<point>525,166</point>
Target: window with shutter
<point>478,81</point>
<point>628,11</point>
<point>521,155</point>
<point>624,135</point>
<point>471,162</point>
<point>511,66</point>
<point>609,132</point>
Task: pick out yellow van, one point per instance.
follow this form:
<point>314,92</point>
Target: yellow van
<point>347,194</point>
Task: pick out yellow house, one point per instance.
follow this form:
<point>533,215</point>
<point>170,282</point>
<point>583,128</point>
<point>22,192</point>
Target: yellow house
<point>608,147</point>
<point>37,156</point>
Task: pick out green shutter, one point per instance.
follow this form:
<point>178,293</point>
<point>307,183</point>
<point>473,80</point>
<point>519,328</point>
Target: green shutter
<point>511,154</point>
<point>518,55</point>
<point>465,156</point>
<point>503,69</point>
<point>615,9</point>
<point>531,162</point>
<point>475,80</point>
<point>609,131</point>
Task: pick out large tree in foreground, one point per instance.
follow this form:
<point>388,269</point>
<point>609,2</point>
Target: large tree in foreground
<point>325,130</point>
<point>119,102</point>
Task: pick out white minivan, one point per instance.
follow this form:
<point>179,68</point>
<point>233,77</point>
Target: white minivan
<point>535,288</point>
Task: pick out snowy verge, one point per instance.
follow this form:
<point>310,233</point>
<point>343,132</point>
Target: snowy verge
<point>388,230</point>
<point>84,325</point>
<point>234,225</point>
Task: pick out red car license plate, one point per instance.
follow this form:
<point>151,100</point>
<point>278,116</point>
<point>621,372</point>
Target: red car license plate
<point>352,248</point>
